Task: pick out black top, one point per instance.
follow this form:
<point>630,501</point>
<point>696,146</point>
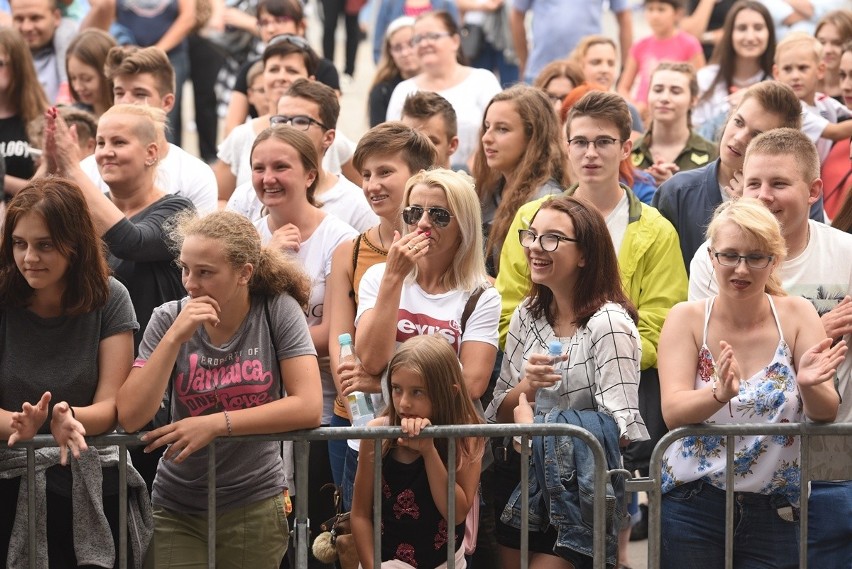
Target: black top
<point>13,147</point>
<point>141,258</point>
<point>717,20</point>
<point>380,96</point>
<point>413,530</point>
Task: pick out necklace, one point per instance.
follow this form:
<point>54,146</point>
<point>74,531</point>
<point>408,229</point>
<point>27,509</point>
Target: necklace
<point>381,241</point>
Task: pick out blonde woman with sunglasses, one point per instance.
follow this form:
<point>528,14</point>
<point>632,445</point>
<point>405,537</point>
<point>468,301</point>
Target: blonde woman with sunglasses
<point>432,270</point>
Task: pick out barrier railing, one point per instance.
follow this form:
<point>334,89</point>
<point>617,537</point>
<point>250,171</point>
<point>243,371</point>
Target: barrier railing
<point>302,439</point>
<point>652,484</point>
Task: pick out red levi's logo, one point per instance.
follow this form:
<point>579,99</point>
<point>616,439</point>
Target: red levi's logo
<point>410,324</point>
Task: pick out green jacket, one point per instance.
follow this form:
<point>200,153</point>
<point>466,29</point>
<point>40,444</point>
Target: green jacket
<point>650,262</point>
<point>698,152</point>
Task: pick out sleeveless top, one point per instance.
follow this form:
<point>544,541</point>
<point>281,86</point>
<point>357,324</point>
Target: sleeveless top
<point>762,464</point>
<point>364,256</point>
<point>413,530</point>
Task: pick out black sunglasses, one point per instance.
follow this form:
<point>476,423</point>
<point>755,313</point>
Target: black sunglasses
<point>414,213</point>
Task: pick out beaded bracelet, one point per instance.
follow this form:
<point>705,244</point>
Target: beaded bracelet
<point>228,422</point>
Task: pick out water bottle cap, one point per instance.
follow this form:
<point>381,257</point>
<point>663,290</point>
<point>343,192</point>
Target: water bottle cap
<point>344,339</point>
<point>554,348</point>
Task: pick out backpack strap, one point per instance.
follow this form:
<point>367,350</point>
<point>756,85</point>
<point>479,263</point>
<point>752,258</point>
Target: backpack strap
<point>471,303</point>
<point>268,316</point>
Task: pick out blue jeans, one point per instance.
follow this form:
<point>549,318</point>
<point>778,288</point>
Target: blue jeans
<point>337,450</point>
<point>830,524</point>
<point>693,530</point>
<point>347,486</point>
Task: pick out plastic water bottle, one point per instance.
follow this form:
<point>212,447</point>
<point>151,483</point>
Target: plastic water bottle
<point>360,406</point>
<point>554,350</point>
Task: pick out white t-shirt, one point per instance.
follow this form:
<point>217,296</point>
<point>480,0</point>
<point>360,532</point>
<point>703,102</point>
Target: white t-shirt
<point>315,254</point>
<point>822,274</point>
<point>235,151</point>
<point>815,118</point>
<point>179,173</point>
<point>421,313</point>
<point>617,221</point>
<point>469,99</point>
<point>716,103</point>
<point>344,200</point>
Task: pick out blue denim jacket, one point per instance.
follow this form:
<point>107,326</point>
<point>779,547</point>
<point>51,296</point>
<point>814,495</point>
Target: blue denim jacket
<point>561,484</point>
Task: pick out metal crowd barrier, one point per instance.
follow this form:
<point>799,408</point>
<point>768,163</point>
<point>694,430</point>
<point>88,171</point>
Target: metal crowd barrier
<point>302,440</point>
<point>652,484</point>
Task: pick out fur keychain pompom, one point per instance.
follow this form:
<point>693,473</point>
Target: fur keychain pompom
<point>324,548</point>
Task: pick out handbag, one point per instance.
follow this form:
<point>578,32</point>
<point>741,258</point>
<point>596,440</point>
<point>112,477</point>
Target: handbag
<point>472,40</point>
<point>336,541</point>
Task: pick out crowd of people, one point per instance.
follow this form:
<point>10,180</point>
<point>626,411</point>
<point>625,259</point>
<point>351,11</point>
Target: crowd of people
<point>543,224</point>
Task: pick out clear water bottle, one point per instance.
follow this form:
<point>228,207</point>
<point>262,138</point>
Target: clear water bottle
<point>554,350</point>
<point>360,405</point>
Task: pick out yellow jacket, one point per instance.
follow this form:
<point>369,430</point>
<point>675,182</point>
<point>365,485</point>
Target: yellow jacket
<point>650,262</point>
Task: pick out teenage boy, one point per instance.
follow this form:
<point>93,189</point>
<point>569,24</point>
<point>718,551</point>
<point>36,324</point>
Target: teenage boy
<point>434,116</point>
<point>798,64</point>
<point>689,198</point>
<point>782,170</point>
<point>313,108</point>
<point>274,18</point>
<point>649,259</point>
<point>144,76</point>
<point>285,59</point>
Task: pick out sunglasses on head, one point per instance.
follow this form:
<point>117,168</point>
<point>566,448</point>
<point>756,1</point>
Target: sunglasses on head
<point>414,213</point>
<point>298,41</point>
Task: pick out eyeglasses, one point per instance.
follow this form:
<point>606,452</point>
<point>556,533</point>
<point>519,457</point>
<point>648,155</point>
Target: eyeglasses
<point>414,213</point>
<point>430,37</point>
<point>754,261</point>
<point>301,122</point>
<point>603,143</point>
<point>297,41</point>
<point>400,47</point>
<point>266,22</point>
<point>548,241</point>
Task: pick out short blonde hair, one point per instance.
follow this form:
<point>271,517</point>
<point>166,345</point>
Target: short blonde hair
<point>151,124</point>
<point>757,222</point>
<point>468,267</point>
<point>798,38</point>
<point>788,142</point>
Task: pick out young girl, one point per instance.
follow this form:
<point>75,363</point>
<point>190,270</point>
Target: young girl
<point>521,157</point>
<point>427,388</point>
<point>670,145</point>
<point>833,31</point>
<point>66,330</point>
<point>667,42</point>
<point>577,299</point>
<point>237,359</point>
<point>84,63</point>
<point>22,99</point>
<point>742,58</point>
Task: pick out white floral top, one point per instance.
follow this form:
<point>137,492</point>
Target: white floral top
<point>762,464</point>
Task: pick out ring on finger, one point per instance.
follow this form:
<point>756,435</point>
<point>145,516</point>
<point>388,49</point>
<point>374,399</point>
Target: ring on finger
<point>410,247</point>
<point>415,248</point>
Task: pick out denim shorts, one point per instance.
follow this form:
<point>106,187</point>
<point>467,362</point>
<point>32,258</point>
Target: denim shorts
<point>766,529</point>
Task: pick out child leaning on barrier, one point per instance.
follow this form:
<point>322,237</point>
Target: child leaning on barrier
<point>427,388</point>
<point>237,359</point>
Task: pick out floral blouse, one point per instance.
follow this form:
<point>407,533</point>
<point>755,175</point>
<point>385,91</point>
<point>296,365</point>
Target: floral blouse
<point>763,464</point>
